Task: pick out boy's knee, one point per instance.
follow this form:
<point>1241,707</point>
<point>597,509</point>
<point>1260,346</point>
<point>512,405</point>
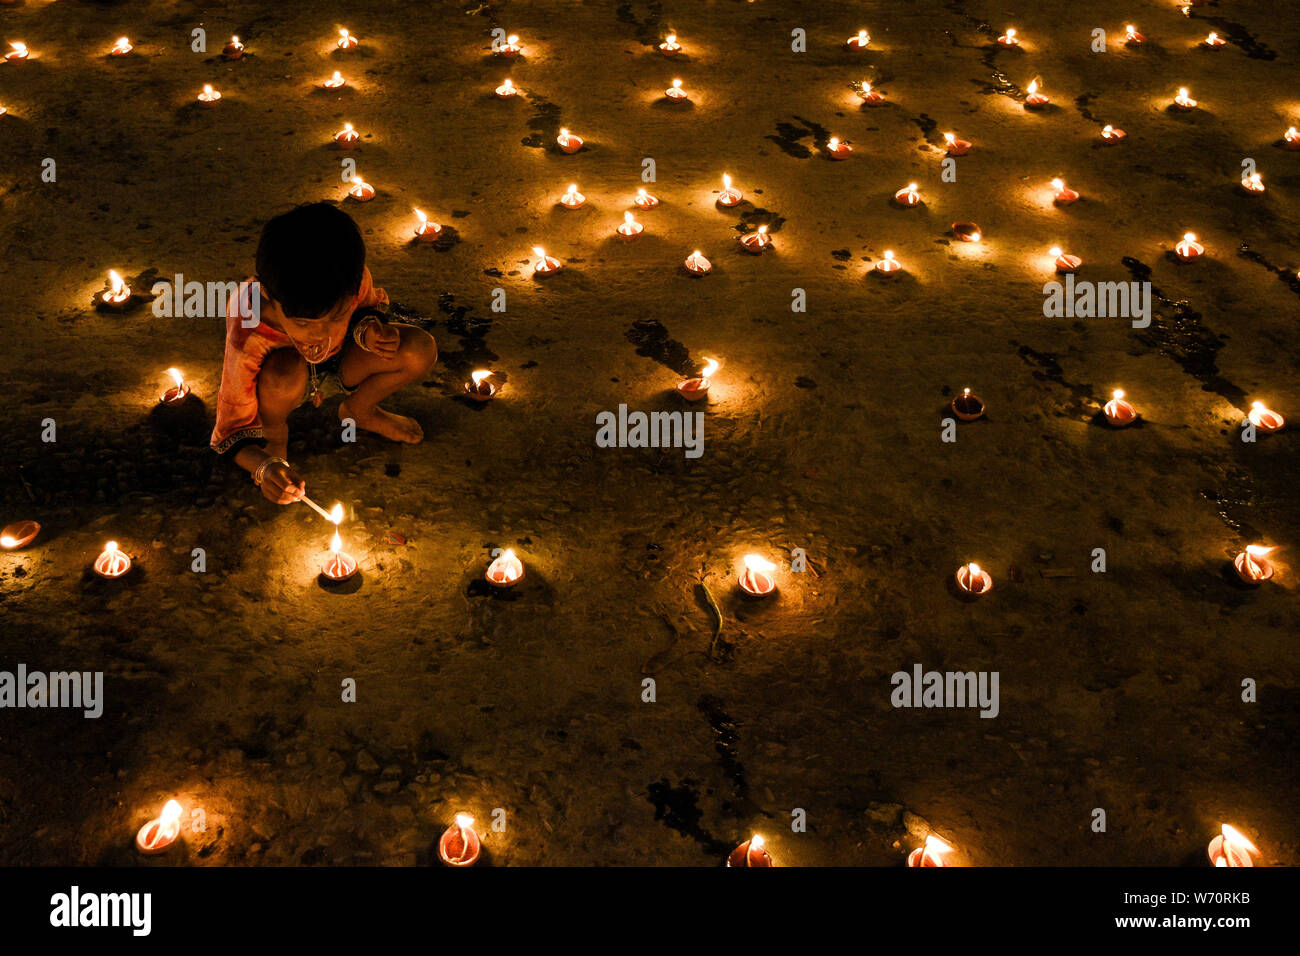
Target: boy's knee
<point>283,374</point>
<point>418,349</point>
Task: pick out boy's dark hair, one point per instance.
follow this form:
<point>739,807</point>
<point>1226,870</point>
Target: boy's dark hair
<point>310,258</point>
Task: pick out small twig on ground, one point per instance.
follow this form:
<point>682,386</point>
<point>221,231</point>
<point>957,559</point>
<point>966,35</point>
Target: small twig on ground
<point>717,611</point>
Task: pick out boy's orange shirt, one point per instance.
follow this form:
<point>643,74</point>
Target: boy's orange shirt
<point>239,421</point>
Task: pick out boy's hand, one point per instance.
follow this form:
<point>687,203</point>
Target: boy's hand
<point>282,485</point>
<point>383,339</point>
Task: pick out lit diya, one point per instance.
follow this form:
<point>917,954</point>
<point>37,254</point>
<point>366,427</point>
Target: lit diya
<point>1112,136</point>
<point>1253,185</point>
<point>1035,100</point>
<point>233,50</point>
<point>209,97</point>
<point>121,48</point>
<point>644,200</point>
<point>968,406</point>
<point>459,845</point>
<point>346,41</point>
<point>118,294</point>
<point>4,111</point>
<point>973,579</point>
<point>178,392</point>
<point>157,835</point>
<point>572,199</point>
<point>967,231</point>
<point>756,241</point>
<point>908,196</point>
<point>1132,37</point>
<point>111,562</point>
<point>1253,565</point>
<point>757,580</point>
<point>506,571</point>
<point>1063,263</point>
<point>750,853</point>
<point>676,93</point>
<point>730,195</point>
<point>347,137</point>
<point>860,41</point>
<point>837,149</point>
<point>1231,848</point>
<point>1213,41</point>
<point>670,46</point>
<point>426,230</point>
<point>361,190</point>
<point>694,389</point>
<point>1184,99</point>
<point>19,535</point>
<point>955,146</point>
<point>1291,138</point>
<point>697,265</point>
<point>568,142</point>
<point>340,565</point>
<point>1009,38</point>
<point>545,265</point>
<point>1062,194</point>
<point>478,387</point>
<point>334,82</point>
<point>1189,249</point>
<point>931,853</point>
<point>17,53</point>
<point>629,228</point>
<point>1264,418</point>
<point>869,96</point>
<point>888,266</point>
<point>506,90</point>
<point>1119,413</point>
<point>511,48</point>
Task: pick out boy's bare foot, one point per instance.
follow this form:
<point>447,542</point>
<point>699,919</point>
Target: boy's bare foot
<point>381,422</point>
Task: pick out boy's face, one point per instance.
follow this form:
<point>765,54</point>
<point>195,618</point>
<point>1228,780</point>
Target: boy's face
<point>314,338</point>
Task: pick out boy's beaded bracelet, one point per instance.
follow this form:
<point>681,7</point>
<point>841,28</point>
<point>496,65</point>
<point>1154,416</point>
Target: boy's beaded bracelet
<point>260,471</point>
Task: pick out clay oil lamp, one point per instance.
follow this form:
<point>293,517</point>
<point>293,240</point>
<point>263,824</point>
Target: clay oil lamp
<point>859,41</point>
<point>506,90</point>
<point>1132,37</point>
<point>1213,41</point>
<point>1264,418</point>
<point>334,82</point>
<point>1252,565</point>
<point>233,50</point>
<point>340,565</point>
<point>361,190</point>
<point>425,230</point>
<point>1119,413</point>
<point>17,53</point>
<point>159,834</point>
<point>1062,194</point>
<point>545,265</point>
<point>1183,100</point>
<point>629,229</point>
<point>1291,138</point>
<point>756,580</point>
<point>697,388</point>
<point>967,231</point>
<point>346,41</point>
<point>931,853</point>
<point>1064,263</point>
<point>644,200</point>
<point>1009,39</point>
<point>209,97</point>
<point>1253,185</point>
<point>697,265</point>
<point>19,535</point>
<point>459,845</point>
<point>756,241</point>
<point>1035,98</point>
<point>568,142</point>
<point>1111,136</point>
<point>836,149</point>
<point>118,295</point>
<point>908,197</point>
<point>888,266</point>
<point>1231,848</point>
<point>955,146</point>
<point>511,48</point>
<point>675,93</point>
<point>730,195</point>
<point>1189,250</point>
<point>869,96</point>
<point>111,562</point>
<point>478,387</point>
<point>974,580</point>
<point>670,46</point>
<point>347,137</point>
<point>121,48</point>
<point>752,852</point>
<point>505,571</point>
<point>178,392</point>
<point>968,406</point>
<point>572,199</point>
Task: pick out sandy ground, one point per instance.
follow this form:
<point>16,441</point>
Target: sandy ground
<point>1119,690</point>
